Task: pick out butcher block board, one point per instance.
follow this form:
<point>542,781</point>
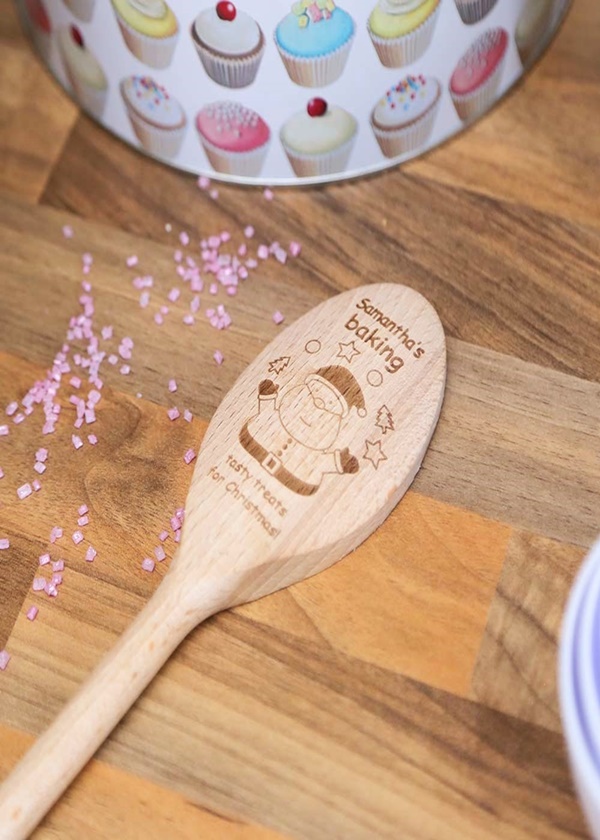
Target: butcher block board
<point>409,691</point>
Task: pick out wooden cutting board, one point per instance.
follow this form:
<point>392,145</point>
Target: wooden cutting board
<point>409,691</point>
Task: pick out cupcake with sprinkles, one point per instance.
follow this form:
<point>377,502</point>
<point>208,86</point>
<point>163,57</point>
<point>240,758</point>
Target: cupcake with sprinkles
<point>314,42</point>
<point>319,140</point>
<point>156,117</point>
<point>475,81</point>
<point>401,30</point>
<point>403,119</point>
<point>235,138</point>
<point>230,44</point>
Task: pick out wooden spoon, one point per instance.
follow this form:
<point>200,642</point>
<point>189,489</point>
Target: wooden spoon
<point>307,454</point>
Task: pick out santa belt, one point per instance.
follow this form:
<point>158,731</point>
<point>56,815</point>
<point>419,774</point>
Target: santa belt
<point>273,465</point>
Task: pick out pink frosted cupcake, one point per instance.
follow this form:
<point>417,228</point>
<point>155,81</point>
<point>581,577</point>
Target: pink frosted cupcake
<point>230,44</point>
<point>475,81</point>
<point>40,27</point>
<point>158,120</point>
<point>472,11</point>
<point>234,137</point>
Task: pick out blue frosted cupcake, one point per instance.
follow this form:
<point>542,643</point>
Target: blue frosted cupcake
<point>314,41</point>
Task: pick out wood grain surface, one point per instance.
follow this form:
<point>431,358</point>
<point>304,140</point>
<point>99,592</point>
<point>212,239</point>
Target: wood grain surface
<point>408,691</point>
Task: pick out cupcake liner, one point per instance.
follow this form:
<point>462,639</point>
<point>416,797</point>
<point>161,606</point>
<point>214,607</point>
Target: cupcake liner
<point>474,12</point>
<point>325,163</point>
<point>82,9</point>
<point>319,70</point>
<point>471,105</point>
<point>155,52</point>
<point>239,164</point>
<point>406,49</point>
<point>408,138</point>
<point>160,142</point>
<point>231,71</point>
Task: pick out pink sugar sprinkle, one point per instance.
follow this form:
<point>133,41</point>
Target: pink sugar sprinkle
<point>67,231</point>
<point>174,294</point>
<point>177,535</point>
<point>278,317</point>
<point>144,299</point>
<point>90,414</point>
<point>158,318</point>
<point>39,584</point>
<point>4,659</point>
<point>55,534</point>
<point>173,413</point>
<point>94,397</point>
<point>87,259</point>
<point>281,256</point>
<point>125,370</point>
<point>77,537</point>
<point>188,319</point>
<point>57,579</point>
<point>263,252</point>
<point>44,559</point>
<point>187,415</point>
<point>92,439</point>
<point>41,454</point>
<point>172,385</point>
<point>164,535</point>
<point>203,182</point>
<point>83,520</point>
<point>112,359</point>
<point>77,442</point>
<point>124,352</point>
<point>32,613</point>
<point>18,418</point>
<point>4,544</point>
<point>51,590</point>
<point>36,485</point>
<point>195,304</point>
<point>90,554</point>
<point>177,255</point>
<point>58,566</point>
<point>24,491</point>
<point>4,430</point>
<point>242,272</point>
<point>148,564</point>
<point>127,342</point>
<point>131,261</point>
<point>1,473</point>
<point>83,509</point>
<point>249,232</point>
<point>295,249</point>
<point>168,227</point>
<point>213,288</point>
<point>180,514</point>
<point>175,522</point>
<point>268,194</point>
<point>75,381</point>
<point>11,408</point>
<point>189,456</point>
<point>39,467</point>
<point>107,332</point>
<point>78,423</point>
<point>159,553</point>
<point>214,194</point>
<point>218,357</point>
<point>184,238</point>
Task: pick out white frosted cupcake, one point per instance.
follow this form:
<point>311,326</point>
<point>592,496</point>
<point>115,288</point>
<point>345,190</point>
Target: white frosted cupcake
<point>533,28</point>
<point>319,140</point>
<point>83,70</point>
<point>235,138</point>
<point>401,30</point>
<point>158,120</point>
<point>149,29</point>
<point>230,44</point>
<point>82,9</point>
<point>403,119</point>
<point>472,11</point>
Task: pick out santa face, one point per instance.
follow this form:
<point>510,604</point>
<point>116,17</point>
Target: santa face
<point>305,418</point>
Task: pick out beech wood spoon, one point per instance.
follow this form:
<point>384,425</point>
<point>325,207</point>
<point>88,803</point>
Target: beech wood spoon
<point>307,454</point>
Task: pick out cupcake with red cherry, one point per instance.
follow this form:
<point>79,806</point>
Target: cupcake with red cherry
<point>318,141</point>
<point>230,44</point>
<point>40,27</point>
<point>403,119</point>
<point>83,70</point>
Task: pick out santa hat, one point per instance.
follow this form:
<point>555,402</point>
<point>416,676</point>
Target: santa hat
<point>344,382</point>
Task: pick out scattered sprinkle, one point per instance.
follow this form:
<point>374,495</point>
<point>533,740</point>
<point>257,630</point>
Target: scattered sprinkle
<point>24,491</point>
<point>83,521</point>
<point>203,182</point>
<point>39,467</point>
<point>77,442</point>
<point>131,261</point>
<point>4,544</point>
<point>295,249</point>
<point>44,559</point>
<point>41,455</point>
<point>77,537</point>
<point>159,553</point>
<point>278,317</point>
<point>148,564</point>
<point>55,534</point>
<point>173,413</point>
<point>184,238</point>
<point>36,485</point>
<point>92,439</point>
<point>164,535</point>
<point>188,416</point>
<point>90,554</point>
<point>4,659</point>
<point>83,509</point>
<point>11,408</point>
<point>39,584</point>
<point>58,566</point>
<point>32,613</point>
<point>262,252</point>
<point>172,386</point>
<point>67,231</point>
<point>189,456</point>
<point>218,357</point>
<point>214,194</point>
<point>268,194</point>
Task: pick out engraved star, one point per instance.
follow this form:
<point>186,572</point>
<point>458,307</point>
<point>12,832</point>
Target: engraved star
<point>374,453</point>
<point>348,351</point>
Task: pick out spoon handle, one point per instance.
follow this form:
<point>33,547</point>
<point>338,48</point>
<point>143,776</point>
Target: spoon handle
<point>62,751</point>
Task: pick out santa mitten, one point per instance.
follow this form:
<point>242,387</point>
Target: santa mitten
<point>267,388</point>
<point>349,462</point>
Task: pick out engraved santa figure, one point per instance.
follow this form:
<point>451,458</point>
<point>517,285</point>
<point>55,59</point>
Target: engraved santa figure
<point>293,435</point>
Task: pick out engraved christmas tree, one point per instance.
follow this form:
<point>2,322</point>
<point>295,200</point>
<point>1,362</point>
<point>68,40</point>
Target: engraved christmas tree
<point>385,420</point>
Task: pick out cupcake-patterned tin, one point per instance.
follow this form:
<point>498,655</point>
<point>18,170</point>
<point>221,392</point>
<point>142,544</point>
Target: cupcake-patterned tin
<point>288,92</point>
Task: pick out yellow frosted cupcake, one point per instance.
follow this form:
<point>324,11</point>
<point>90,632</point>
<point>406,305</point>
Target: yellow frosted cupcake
<point>149,28</point>
<point>401,30</point>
